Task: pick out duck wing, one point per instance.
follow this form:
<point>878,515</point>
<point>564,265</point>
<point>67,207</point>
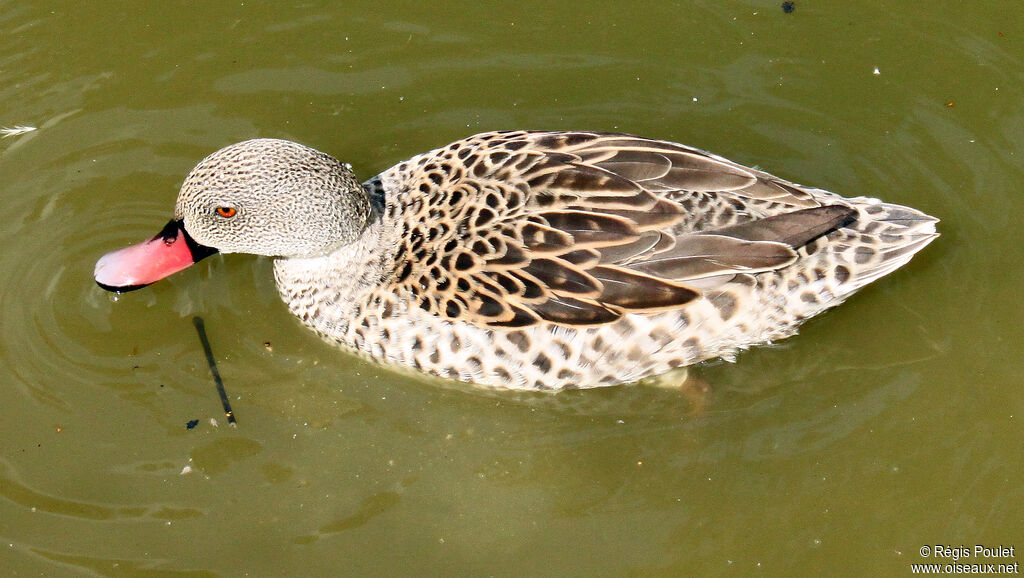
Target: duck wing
<point>579,228</point>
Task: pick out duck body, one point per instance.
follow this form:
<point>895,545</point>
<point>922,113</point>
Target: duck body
<point>541,260</point>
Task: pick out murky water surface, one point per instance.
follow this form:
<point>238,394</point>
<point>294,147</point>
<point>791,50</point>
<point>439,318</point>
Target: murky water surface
<point>890,423</point>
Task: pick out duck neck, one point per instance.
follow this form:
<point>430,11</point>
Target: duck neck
<point>326,291</point>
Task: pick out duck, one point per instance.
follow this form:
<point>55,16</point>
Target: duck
<point>532,260</point>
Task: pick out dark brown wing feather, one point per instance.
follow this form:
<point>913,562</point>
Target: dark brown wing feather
<point>580,228</point>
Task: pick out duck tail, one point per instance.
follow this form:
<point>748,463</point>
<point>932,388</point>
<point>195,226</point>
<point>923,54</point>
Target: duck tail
<point>882,238</point>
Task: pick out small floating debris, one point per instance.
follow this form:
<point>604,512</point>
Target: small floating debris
<point>788,7</point>
<point>192,423</point>
<point>15,130</point>
<point>201,330</point>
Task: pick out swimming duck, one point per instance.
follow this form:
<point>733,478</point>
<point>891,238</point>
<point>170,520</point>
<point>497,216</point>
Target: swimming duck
<point>532,260</point>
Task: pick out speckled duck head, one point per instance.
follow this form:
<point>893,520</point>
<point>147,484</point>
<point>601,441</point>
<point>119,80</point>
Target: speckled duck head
<point>266,197</point>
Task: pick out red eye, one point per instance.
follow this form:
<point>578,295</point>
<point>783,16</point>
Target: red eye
<point>226,212</point>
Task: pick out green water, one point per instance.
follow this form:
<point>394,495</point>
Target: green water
<point>890,423</point>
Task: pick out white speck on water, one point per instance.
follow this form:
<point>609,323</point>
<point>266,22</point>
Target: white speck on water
<point>876,72</point>
<point>15,130</point>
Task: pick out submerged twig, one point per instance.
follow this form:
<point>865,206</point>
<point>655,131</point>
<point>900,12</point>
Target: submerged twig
<point>201,329</point>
